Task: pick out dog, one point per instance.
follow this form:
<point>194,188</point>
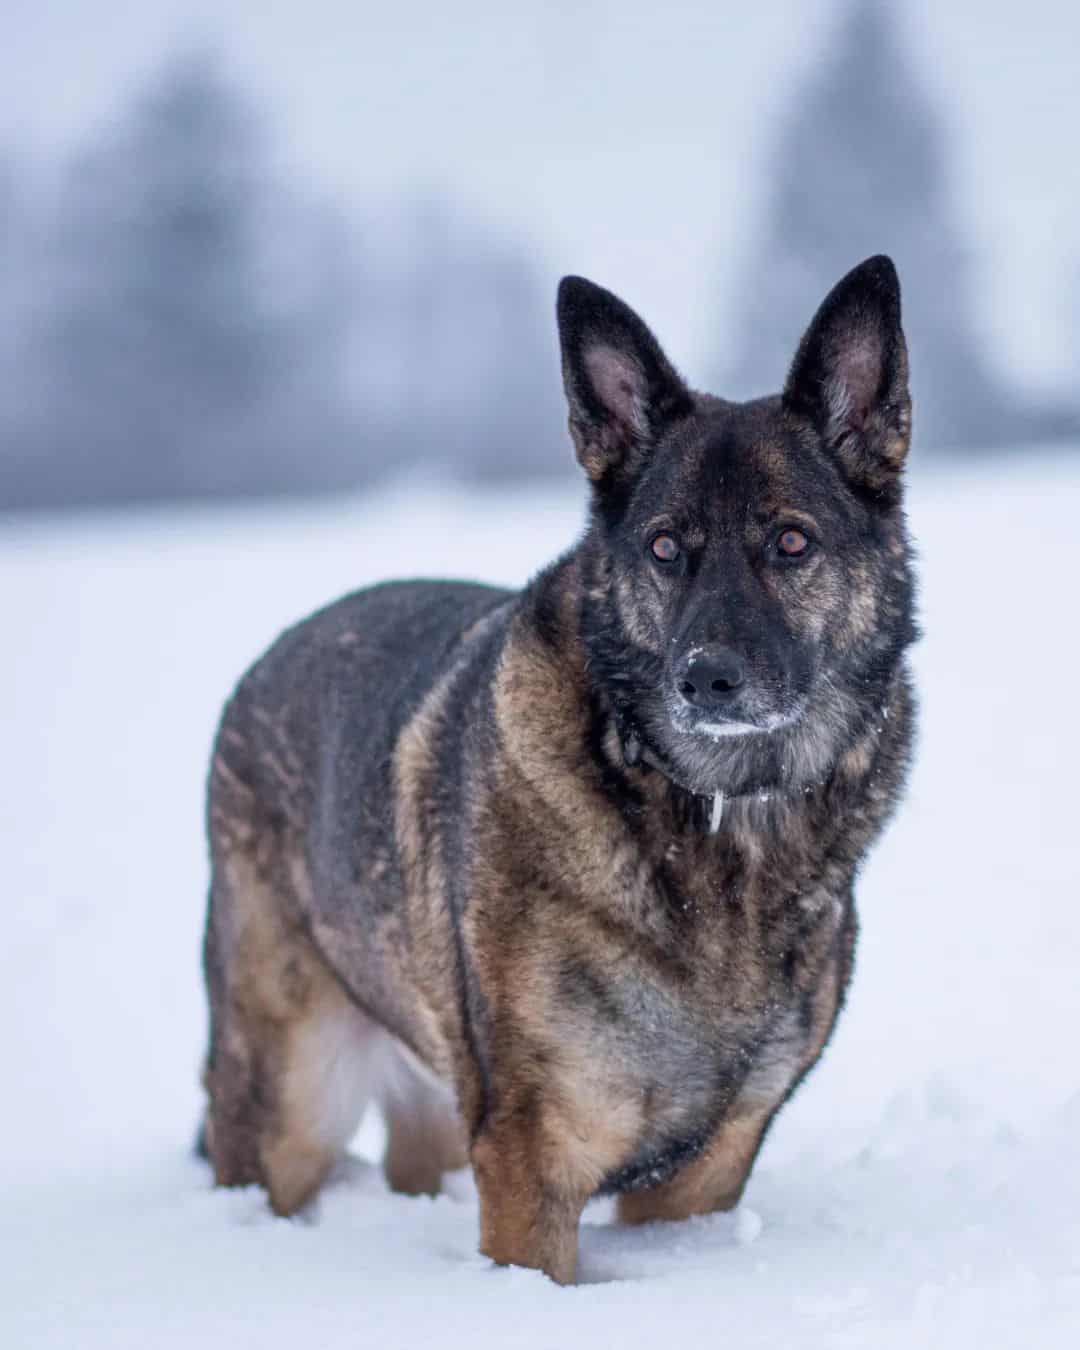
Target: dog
<point>563,878</point>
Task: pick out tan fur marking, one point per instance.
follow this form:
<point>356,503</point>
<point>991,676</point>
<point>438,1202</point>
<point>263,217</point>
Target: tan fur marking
<point>713,1181</point>
<point>293,1052</point>
<point>328,1058</point>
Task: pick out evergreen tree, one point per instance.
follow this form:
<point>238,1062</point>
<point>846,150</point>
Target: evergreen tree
<point>176,353</point>
<point>860,169</point>
<point>203,332</point>
<point>19,285</point>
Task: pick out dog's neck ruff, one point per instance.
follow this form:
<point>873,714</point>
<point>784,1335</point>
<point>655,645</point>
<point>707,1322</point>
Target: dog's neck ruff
<point>636,750</point>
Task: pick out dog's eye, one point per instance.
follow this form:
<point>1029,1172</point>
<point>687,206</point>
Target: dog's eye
<point>664,548</point>
<point>792,543</point>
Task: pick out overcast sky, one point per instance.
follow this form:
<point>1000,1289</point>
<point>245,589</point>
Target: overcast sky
<point>621,138</point>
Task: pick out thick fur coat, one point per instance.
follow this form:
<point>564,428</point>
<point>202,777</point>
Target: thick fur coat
<point>564,878</point>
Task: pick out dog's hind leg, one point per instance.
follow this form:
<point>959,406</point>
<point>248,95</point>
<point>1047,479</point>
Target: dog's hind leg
<point>292,1059</point>
<point>425,1134</point>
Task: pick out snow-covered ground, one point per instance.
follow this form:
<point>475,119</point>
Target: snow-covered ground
<point>923,1189</point>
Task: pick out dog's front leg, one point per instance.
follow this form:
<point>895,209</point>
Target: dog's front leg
<point>531,1197</point>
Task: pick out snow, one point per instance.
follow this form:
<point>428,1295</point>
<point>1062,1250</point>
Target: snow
<point>922,1190</point>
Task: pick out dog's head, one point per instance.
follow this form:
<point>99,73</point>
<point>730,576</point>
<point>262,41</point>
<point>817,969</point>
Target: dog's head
<point>748,588</point>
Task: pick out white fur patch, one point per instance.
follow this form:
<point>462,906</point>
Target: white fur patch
<point>717,731</point>
<point>403,1077</point>
<point>337,1067</point>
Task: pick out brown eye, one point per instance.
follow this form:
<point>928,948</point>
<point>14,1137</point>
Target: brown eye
<point>664,548</point>
<point>793,543</point>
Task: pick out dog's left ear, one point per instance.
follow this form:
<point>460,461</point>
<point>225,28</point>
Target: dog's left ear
<point>622,390</point>
<point>850,377</point>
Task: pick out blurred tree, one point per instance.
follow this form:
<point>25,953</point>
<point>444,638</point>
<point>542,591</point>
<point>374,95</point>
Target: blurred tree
<point>188,323</point>
<point>479,377</point>
<point>9,208</point>
<point>18,287</point>
<point>861,168</point>
<point>1072,338</point>
<point>200,331</point>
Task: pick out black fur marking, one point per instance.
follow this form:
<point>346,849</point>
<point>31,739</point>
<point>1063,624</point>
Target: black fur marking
<point>581,986</point>
<point>655,1166</point>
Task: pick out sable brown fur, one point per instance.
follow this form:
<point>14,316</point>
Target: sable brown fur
<point>468,856</point>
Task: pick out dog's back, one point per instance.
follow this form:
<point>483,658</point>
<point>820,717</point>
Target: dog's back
<point>321,711</point>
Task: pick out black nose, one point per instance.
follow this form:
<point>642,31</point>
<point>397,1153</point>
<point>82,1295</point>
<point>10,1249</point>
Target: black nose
<point>710,676</point>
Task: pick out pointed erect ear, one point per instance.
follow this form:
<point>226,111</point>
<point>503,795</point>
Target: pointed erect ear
<point>850,377</point>
<point>622,390</point>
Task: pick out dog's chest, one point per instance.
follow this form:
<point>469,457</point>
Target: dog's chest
<point>715,1018</point>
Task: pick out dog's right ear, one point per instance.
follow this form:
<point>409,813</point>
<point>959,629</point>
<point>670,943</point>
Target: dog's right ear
<point>622,390</point>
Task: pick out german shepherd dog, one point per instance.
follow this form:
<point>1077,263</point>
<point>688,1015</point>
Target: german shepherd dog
<point>563,877</point>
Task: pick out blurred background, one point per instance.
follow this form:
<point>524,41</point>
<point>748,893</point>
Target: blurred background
<point>251,251</point>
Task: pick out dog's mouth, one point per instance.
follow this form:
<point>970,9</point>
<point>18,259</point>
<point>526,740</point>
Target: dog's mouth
<point>715,726</point>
